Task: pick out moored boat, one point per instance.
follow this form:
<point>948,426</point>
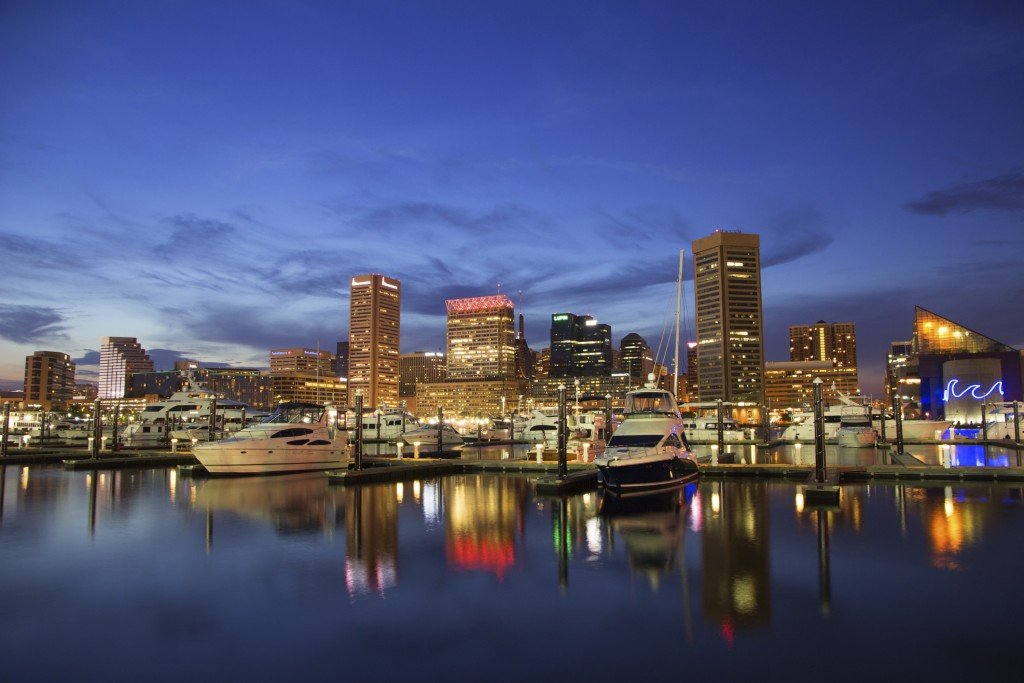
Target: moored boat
<point>297,437</point>
<point>649,450</point>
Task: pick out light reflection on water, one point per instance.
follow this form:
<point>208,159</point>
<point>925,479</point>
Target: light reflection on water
<point>456,573</point>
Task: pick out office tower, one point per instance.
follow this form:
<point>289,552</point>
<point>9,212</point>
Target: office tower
<point>524,356</point>
<point>836,342</point>
<point>636,358</point>
<point>788,385</point>
<point>580,346</point>
<point>418,368</point>
<point>692,388</point>
<point>542,365</point>
<point>727,289</point>
<point>305,376</point>
<point>49,380</point>
<point>481,340</point>
<point>119,357</point>
<point>373,338</point>
<point>901,373</point>
<point>341,360</point>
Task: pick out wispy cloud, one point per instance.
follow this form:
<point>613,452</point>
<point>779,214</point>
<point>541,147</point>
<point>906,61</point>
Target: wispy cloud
<point>25,324</point>
<point>999,193</point>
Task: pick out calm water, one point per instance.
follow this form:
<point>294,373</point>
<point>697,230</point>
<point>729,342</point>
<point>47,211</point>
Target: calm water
<point>145,575</point>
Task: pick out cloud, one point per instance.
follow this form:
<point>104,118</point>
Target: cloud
<point>793,234</point>
<point>999,193</point>
<point>255,328</point>
<point>502,218</point>
<point>188,231</point>
<point>90,357</point>
<point>24,324</point>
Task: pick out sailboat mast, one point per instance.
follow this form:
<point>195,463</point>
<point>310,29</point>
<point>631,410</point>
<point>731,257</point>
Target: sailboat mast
<point>679,304</point>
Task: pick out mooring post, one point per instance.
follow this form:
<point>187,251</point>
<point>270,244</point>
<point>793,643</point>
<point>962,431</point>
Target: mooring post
<point>897,414</point>
<point>767,421</point>
<point>881,417</point>
<point>97,427</point>
<point>819,434</point>
<point>359,430</point>
<point>1016,421</point>
<point>116,446</point>
<point>212,427</point>
<point>607,417</point>
<point>540,452</point>
<point>720,427</point>
<point>563,468</point>
<point>6,430</point>
<point>440,429</point>
<point>984,423</point>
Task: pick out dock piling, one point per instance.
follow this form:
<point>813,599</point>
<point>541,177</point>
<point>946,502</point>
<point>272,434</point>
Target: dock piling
<point>897,413</point>
<point>6,429</point>
<point>359,430</point>
<point>563,468</point>
<point>1016,422</point>
<point>820,473</point>
<point>97,430</point>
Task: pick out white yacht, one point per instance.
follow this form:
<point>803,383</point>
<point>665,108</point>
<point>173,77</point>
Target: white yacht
<point>387,425</point>
<point>1000,422</point>
<point>855,430</point>
<point>649,449</point>
<point>297,437</point>
<point>188,409</point>
<point>426,435</point>
<point>705,429</point>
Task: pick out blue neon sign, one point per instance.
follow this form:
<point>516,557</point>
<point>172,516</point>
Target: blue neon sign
<point>973,389</point>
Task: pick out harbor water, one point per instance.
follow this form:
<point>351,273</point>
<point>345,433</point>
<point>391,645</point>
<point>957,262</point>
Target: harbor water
<point>145,575</point>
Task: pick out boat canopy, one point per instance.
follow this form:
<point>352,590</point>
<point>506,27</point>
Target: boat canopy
<point>295,412</point>
<point>656,401</point>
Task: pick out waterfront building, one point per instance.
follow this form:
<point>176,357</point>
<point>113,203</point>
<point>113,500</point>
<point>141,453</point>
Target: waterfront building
<point>637,360</point>
<point>961,369</point>
<point>119,358</point>
<point>251,386</point>
<point>466,398</point>
<point>824,341</point>
<point>730,340</point>
<point>49,380</point>
<point>524,357</point>
<point>341,360</point>
<point>418,368</point>
<point>373,338</point>
<point>481,338</point>
<point>580,346</point>
<point>692,388</point>
<point>307,376</point>
<point>901,376</point>
<point>592,389</point>
<point>85,391</point>
<point>542,365</point>
<point>788,385</point>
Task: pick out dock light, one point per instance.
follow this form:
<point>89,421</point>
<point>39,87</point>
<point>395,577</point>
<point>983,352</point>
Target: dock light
<point>25,439</point>
<point>398,451</point>
<point>415,449</point>
<point>195,440</point>
<point>586,452</point>
<point>540,452</point>
<point>174,444</point>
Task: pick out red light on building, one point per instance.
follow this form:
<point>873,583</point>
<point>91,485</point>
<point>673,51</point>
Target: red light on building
<point>480,304</point>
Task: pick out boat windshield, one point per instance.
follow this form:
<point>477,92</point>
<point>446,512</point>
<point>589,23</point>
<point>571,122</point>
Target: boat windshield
<point>650,402</point>
<point>642,440</point>
<point>295,412</point>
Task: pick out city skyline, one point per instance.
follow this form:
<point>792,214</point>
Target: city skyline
<point>214,205</point>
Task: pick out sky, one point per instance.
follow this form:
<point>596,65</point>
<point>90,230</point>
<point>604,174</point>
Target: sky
<point>207,176</point>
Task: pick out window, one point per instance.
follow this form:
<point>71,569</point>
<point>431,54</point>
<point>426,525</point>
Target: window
<point>641,440</point>
<point>295,431</point>
<point>297,442</point>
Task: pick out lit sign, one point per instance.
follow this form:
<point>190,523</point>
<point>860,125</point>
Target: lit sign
<point>973,389</point>
<point>558,318</point>
<point>387,284</point>
<point>280,353</point>
<point>310,353</point>
<point>359,283</point>
<point>591,323</point>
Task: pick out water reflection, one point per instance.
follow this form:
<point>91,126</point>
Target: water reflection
<point>371,539</point>
<point>484,517</point>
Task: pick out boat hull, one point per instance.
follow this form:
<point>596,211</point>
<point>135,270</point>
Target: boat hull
<point>856,438</point>
<point>227,460</point>
<point>646,474</point>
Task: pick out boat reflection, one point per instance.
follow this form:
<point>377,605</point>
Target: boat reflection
<point>371,538</point>
<point>296,503</point>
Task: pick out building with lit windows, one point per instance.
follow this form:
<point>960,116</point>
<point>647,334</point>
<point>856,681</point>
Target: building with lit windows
<point>961,369</point>
<point>251,386</point>
<point>635,358</point>
<point>901,373</point>
<point>119,358</point>
<point>836,342</point>
<point>306,376</point>
<point>373,338</point>
<point>49,380</point>
<point>727,292</point>
<point>580,346</point>
<point>415,369</point>
<point>788,385</point>
<point>480,361</point>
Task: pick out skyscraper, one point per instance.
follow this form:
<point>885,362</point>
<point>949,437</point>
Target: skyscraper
<point>341,360</point>
<point>636,357</point>
<point>305,375</point>
<point>580,346</point>
<point>119,357</point>
<point>836,342</point>
<point>730,344</point>
<point>481,342</point>
<point>49,380</point>
<point>373,337</point>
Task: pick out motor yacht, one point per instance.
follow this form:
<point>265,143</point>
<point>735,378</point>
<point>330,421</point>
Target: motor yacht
<point>649,450</point>
<point>855,430</point>
<point>188,409</point>
<point>388,424</point>
<point>427,435</point>
<point>297,437</point>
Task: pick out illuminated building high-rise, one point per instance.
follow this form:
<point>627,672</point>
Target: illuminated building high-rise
<point>580,346</point>
<point>836,342</point>
<point>49,380</point>
<point>119,357</point>
<point>636,359</point>
<point>306,376</point>
<point>481,338</point>
<point>373,336</point>
<point>730,340</point>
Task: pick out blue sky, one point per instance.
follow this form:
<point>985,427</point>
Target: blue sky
<point>206,176</point>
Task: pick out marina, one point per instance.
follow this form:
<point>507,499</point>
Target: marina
<point>712,579</point>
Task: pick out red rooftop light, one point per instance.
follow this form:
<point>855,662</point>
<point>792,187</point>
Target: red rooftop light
<point>479,304</point>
